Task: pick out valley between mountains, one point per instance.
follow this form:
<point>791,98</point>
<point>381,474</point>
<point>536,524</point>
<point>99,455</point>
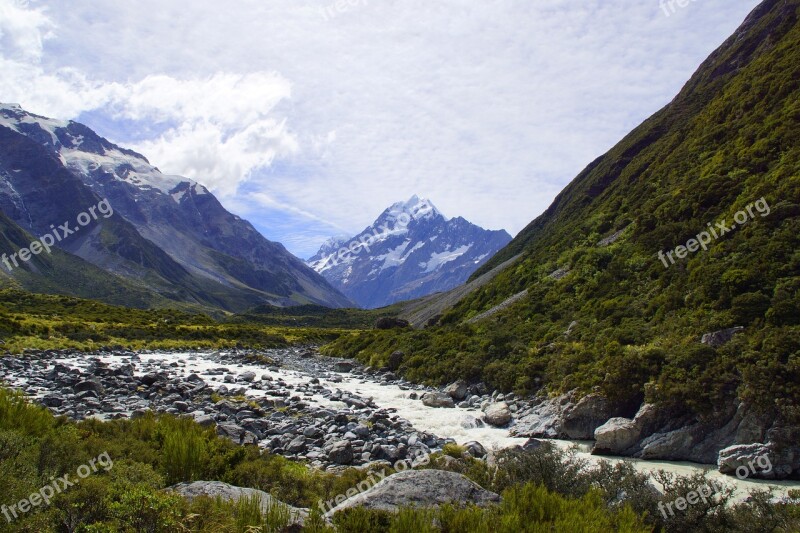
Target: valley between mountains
<point>426,373</point>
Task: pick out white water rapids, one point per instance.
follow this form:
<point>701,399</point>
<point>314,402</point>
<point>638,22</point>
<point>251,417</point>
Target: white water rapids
<point>438,421</point>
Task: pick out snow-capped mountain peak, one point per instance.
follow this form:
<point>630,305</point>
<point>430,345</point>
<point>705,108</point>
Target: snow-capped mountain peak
<point>410,251</point>
<point>415,207</point>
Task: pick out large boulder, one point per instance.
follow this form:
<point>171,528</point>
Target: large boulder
<point>89,385</point>
<point>437,399</point>
<point>475,449</point>
<point>457,390</point>
<point>297,445</point>
<point>616,436</point>
<point>747,461</point>
<point>470,422</point>
<point>52,400</point>
<point>620,434</point>
<point>341,453</point>
<point>497,414</point>
<point>420,488</point>
<point>343,366</point>
<point>204,419</point>
<point>152,378</point>
<point>395,360</point>
<point>391,323</point>
<point>232,493</point>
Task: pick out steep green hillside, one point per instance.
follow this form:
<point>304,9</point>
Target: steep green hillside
<point>729,139</point>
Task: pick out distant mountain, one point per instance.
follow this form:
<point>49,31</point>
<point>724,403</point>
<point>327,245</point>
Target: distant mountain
<point>410,251</point>
<point>168,235</point>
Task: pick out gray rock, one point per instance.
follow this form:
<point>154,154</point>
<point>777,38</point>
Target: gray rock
<point>470,422</point>
<point>248,376</point>
<point>565,417</point>
<point>217,489</point>
<point>204,420</point>
<point>670,445</point>
<point>395,360</point>
<point>341,453</point>
<point>420,488</point>
<point>151,378</point>
<point>749,461</point>
<point>437,399</point>
<point>723,336</point>
<point>297,445</point>
<point>532,444</point>
<point>312,432</point>
<point>89,385</point>
<point>231,431</point>
<point>581,420</point>
<point>457,390</point>
<point>497,414</point>
<point>475,449</point>
<point>52,401</point>
<point>361,431</point>
<point>343,366</point>
<point>620,434</point>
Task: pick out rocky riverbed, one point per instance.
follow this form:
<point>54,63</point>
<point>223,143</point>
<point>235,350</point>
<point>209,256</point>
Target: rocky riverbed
<point>288,401</point>
<point>332,412</point>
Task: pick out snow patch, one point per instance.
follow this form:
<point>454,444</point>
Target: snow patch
<point>143,175</point>
<point>440,258</point>
<point>394,258</point>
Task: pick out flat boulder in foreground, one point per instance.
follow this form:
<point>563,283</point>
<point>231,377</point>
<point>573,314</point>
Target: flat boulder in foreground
<point>420,488</point>
<point>214,489</point>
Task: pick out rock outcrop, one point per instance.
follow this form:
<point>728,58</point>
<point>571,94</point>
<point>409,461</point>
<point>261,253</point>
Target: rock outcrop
<point>565,417</point>
<point>716,339</point>
<point>420,488</point>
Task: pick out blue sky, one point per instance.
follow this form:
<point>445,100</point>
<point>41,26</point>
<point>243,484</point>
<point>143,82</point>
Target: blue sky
<point>309,120</point>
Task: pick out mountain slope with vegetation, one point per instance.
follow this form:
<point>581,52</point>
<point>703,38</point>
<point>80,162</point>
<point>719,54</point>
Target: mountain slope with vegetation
<point>602,313</point>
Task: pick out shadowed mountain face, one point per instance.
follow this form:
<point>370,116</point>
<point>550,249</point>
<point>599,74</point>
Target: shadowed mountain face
<point>168,235</point>
<point>410,251</point>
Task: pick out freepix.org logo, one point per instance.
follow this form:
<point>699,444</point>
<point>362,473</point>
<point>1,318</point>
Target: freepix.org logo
<point>46,242</point>
<point>715,231</point>
<point>57,485</point>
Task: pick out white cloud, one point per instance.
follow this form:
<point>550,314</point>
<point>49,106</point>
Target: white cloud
<point>23,30</point>
<point>487,108</point>
<point>225,125</point>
